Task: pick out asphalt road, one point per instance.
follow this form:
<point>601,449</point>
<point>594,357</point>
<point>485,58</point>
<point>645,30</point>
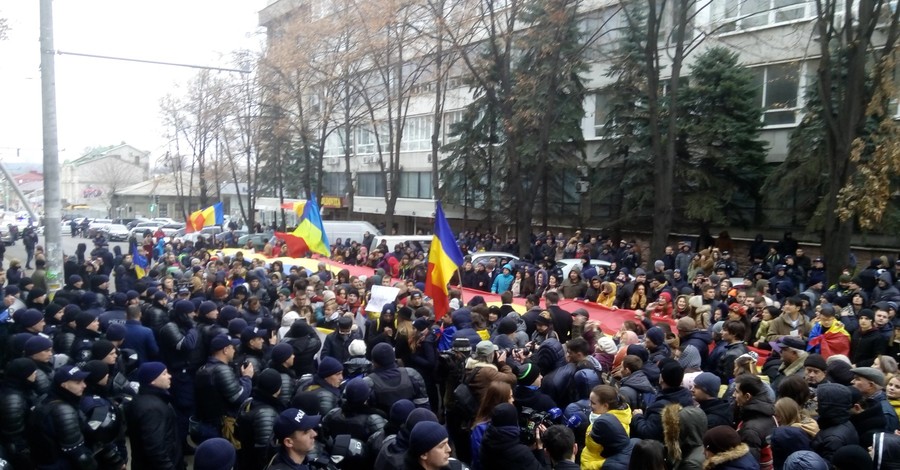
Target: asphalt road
<point>69,245</point>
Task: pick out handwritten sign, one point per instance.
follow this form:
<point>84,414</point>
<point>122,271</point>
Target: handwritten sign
<point>381,296</point>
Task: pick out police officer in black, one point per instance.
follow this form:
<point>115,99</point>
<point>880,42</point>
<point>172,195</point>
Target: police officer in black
<point>105,434</point>
<point>177,342</point>
<point>219,392</point>
<point>16,398</point>
<point>256,419</point>
<point>55,426</point>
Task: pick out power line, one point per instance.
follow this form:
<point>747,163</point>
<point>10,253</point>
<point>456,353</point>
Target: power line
<point>156,62</point>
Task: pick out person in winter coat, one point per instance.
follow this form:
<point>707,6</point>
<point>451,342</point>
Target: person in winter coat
<point>355,417</point>
<point>325,387</point>
<point>337,342</point>
<point>306,343</point>
<point>501,447</point>
<point>503,281</point>
<point>16,399</point>
<point>725,451</point>
<point>885,451</point>
<point>754,413</point>
<point>689,334</point>
<point>649,425</point>
<point>866,343</point>
<point>604,399</point>
<point>785,440</point>
<point>256,419</point>
<point>683,430</point>
<point>806,460</point>
<point>706,394</point>
<point>487,365</point>
<point>608,432</point>
<point>635,384</point>
<point>836,431</point>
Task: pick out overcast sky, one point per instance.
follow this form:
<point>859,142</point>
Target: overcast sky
<point>102,102</point>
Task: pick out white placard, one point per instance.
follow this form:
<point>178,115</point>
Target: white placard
<point>381,296</point>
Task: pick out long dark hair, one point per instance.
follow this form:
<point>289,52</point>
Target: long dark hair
<point>648,454</point>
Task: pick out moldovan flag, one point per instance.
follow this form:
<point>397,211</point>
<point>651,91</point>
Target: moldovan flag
<point>444,259</point>
<point>212,215</point>
<point>141,265</point>
<point>295,207</point>
<point>309,234</point>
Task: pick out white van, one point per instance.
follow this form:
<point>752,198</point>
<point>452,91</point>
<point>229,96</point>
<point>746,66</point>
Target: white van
<point>393,240</point>
<point>344,229</point>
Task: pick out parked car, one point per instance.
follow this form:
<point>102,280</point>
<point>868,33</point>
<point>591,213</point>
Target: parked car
<point>564,266</point>
<point>5,236</point>
<point>259,240</point>
<point>116,232</point>
<point>139,229</point>
<point>483,257</point>
<point>96,226</point>
<point>171,229</point>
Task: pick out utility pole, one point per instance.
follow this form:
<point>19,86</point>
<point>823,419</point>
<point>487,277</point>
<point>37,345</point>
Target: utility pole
<point>52,202</point>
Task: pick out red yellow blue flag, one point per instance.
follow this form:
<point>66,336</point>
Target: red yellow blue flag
<point>444,259</point>
<point>309,234</point>
<point>212,215</point>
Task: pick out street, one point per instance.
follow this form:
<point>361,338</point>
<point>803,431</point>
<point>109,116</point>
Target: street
<point>69,245</point>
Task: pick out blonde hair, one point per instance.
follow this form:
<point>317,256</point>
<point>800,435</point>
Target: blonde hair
<point>787,411</point>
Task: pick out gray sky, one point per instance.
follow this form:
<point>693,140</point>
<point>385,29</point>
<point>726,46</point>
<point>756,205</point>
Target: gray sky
<point>101,102</point>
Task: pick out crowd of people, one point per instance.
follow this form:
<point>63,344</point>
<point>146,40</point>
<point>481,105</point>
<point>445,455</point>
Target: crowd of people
<point>251,364</point>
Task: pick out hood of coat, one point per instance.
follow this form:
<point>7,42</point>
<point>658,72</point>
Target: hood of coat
<point>609,433</point>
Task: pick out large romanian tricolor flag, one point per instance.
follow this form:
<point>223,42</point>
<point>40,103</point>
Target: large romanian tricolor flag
<point>212,215</point>
<point>309,234</point>
<point>444,259</point>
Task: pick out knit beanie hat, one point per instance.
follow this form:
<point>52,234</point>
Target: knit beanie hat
<point>70,313</point>
<point>28,318</point>
<point>36,344</point>
<point>720,439</point>
<point>505,414</point>
<point>357,391</point>
<point>528,373</point>
<point>383,355</point>
<point>816,361</point>
<point>400,410</point>
<point>805,460</point>
<point>269,381</point>
<point>419,415</point>
<point>639,351</point>
<point>329,366</point>
<point>426,436</point>
<point>20,368</point>
<point>709,383</point>
<point>149,371</point>
<point>690,357</point>
<point>671,372</point>
<point>507,326</point>
<point>215,454</point>
<point>96,371</point>
<point>281,352</point>
<point>84,319</point>
<point>101,348</point>
<point>236,326</point>
<point>656,335</point>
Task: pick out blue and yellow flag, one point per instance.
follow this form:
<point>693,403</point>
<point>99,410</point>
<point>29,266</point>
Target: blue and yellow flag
<point>141,265</point>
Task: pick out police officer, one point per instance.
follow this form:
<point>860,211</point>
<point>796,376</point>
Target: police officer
<point>296,434</point>
<point>218,391</point>
<point>16,398</point>
<point>177,342</point>
<point>152,423</point>
<point>256,419</point>
<point>56,439</point>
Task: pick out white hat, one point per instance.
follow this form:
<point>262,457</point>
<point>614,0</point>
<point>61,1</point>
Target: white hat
<point>454,304</point>
<point>607,345</point>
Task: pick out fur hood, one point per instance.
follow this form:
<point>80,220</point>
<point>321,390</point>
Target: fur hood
<point>727,456</point>
<point>683,429</point>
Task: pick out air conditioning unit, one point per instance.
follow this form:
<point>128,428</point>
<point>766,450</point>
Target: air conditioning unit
<point>430,158</point>
<point>332,161</point>
<point>370,159</point>
<point>582,187</point>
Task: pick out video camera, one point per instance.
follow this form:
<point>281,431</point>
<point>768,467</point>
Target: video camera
<point>530,420</point>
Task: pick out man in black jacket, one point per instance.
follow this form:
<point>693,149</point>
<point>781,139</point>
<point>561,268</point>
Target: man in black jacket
<point>562,320</point>
<point>255,421</point>
<point>152,424</point>
<point>16,398</point>
<point>55,432</point>
<point>706,393</point>
<point>218,392</point>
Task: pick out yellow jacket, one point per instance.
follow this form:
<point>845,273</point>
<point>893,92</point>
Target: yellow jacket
<point>590,456</point>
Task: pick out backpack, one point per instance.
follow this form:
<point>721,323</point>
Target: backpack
<point>465,404</point>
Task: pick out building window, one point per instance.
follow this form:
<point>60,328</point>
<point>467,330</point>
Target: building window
<point>451,118</point>
<point>334,184</point>
<point>416,185</point>
<point>779,91</point>
<point>370,184</point>
<point>163,210</point>
<point>365,140</point>
<point>746,14</point>
<point>334,144</point>
<point>417,133</point>
<point>602,108</point>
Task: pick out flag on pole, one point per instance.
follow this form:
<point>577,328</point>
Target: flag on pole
<point>141,265</point>
<point>444,259</point>
<point>212,215</point>
<point>295,207</point>
<point>309,234</point>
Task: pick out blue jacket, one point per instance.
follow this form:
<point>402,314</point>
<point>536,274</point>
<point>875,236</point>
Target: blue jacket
<point>140,339</point>
<point>649,424</point>
<point>502,282</point>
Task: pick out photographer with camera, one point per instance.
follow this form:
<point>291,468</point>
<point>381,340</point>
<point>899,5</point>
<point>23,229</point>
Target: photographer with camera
<point>502,447</point>
<point>488,365</point>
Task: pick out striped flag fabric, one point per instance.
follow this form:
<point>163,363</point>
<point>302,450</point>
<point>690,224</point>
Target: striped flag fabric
<point>212,215</point>
<point>309,234</point>
<point>141,265</point>
<point>444,259</point>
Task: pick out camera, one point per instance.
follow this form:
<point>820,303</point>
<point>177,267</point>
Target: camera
<point>530,420</point>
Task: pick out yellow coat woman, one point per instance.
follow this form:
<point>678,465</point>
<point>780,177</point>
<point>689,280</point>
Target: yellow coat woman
<point>604,399</point>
